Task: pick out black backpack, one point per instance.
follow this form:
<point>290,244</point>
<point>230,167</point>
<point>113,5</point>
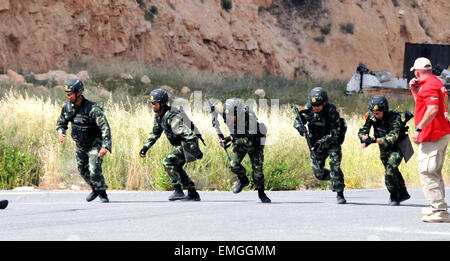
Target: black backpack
<point>343,126</point>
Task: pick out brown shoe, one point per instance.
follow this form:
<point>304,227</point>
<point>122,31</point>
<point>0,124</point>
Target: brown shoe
<point>437,217</point>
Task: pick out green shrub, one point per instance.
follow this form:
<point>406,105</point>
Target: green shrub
<point>141,4</point>
<point>319,39</point>
<point>325,30</point>
<point>227,5</point>
<point>19,165</point>
<point>149,16</point>
<point>308,5</point>
<point>347,28</point>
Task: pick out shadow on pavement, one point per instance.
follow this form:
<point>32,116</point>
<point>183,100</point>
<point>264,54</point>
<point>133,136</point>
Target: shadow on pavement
<point>297,202</point>
<point>137,201</point>
<point>387,205</point>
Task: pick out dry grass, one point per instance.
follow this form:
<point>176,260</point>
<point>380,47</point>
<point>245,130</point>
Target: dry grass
<point>286,160</point>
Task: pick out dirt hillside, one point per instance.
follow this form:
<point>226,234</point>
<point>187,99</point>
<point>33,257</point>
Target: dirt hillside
<point>320,38</point>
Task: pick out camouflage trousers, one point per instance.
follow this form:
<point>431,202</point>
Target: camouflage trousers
<point>173,164</point>
<point>256,155</point>
<point>334,174</point>
<point>393,179</point>
<point>90,164</point>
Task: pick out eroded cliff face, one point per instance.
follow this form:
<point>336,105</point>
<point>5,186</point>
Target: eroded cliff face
<point>285,37</point>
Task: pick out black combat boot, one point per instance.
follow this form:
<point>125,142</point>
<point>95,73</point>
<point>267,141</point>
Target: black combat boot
<point>403,195</point>
<point>93,195</point>
<point>393,199</point>
<point>241,185</point>
<point>3,204</point>
<point>177,193</point>
<point>340,198</point>
<point>103,196</point>
<point>263,196</point>
<point>192,195</point>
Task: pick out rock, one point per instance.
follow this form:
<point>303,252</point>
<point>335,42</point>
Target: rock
<point>180,102</point>
<point>59,77</point>
<point>4,78</point>
<point>42,89</point>
<point>26,189</point>
<point>260,93</point>
<point>170,91</point>
<point>42,77</point>
<point>145,79</point>
<point>83,75</point>
<point>185,90</point>
<point>103,92</point>
<point>59,88</point>
<point>15,77</point>
<point>126,76</point>
<point>258,35</point>
<point>74,187</point>
<point>4,5</point>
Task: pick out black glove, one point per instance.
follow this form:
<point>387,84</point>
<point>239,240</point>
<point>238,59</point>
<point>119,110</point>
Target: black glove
<point>369,141</point>
<point>318,147</point>
<point>143,152</point>
<point>226,141</point>
<point>302,130</point>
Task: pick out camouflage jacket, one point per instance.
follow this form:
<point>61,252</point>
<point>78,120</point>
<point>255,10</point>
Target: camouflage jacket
<point>324,127</point>
<point>172,124</point>
<point>388,129</point>
<point>88,119</point>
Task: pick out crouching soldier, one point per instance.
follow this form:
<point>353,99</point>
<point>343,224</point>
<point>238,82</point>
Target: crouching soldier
<point>389,131</point>
<point>326,134</point>
<point>247,136</point>
<point>91,133</point>
<point>170,121</point>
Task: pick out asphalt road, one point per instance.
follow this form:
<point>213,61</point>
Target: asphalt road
<point>223,216</point>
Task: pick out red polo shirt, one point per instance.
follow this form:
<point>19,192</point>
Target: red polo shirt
<point>432,92</point>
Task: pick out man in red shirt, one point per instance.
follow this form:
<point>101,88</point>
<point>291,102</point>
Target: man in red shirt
<point>432,133</point>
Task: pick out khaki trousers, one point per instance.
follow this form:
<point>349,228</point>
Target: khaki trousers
<point>431,161</point>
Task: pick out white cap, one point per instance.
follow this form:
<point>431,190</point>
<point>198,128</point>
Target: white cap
<point>421,63</point>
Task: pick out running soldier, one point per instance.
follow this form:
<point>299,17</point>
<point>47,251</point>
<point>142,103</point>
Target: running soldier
<point>91,133</point>
<point>247,137</point>
<point>172,123</point>
<point>326,134</point>
<point>388,132</point>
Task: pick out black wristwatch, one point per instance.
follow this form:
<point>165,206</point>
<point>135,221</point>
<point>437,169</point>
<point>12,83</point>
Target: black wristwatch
<point>418,129</point>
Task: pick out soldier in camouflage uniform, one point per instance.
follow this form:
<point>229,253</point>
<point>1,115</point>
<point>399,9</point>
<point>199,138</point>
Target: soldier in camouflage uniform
<point>247,137</point>
<point>323,121</point>
<point>181,136</point>
<point>91,133</point>
<point>388,132</point>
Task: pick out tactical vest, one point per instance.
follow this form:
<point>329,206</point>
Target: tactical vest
<point>84,127</point>
<point>174,139</point>
<point>381,128</point>
<point>319,128</point>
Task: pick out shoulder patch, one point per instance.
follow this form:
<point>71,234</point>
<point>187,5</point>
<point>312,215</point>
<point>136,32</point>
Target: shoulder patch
<point>366,116</point>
